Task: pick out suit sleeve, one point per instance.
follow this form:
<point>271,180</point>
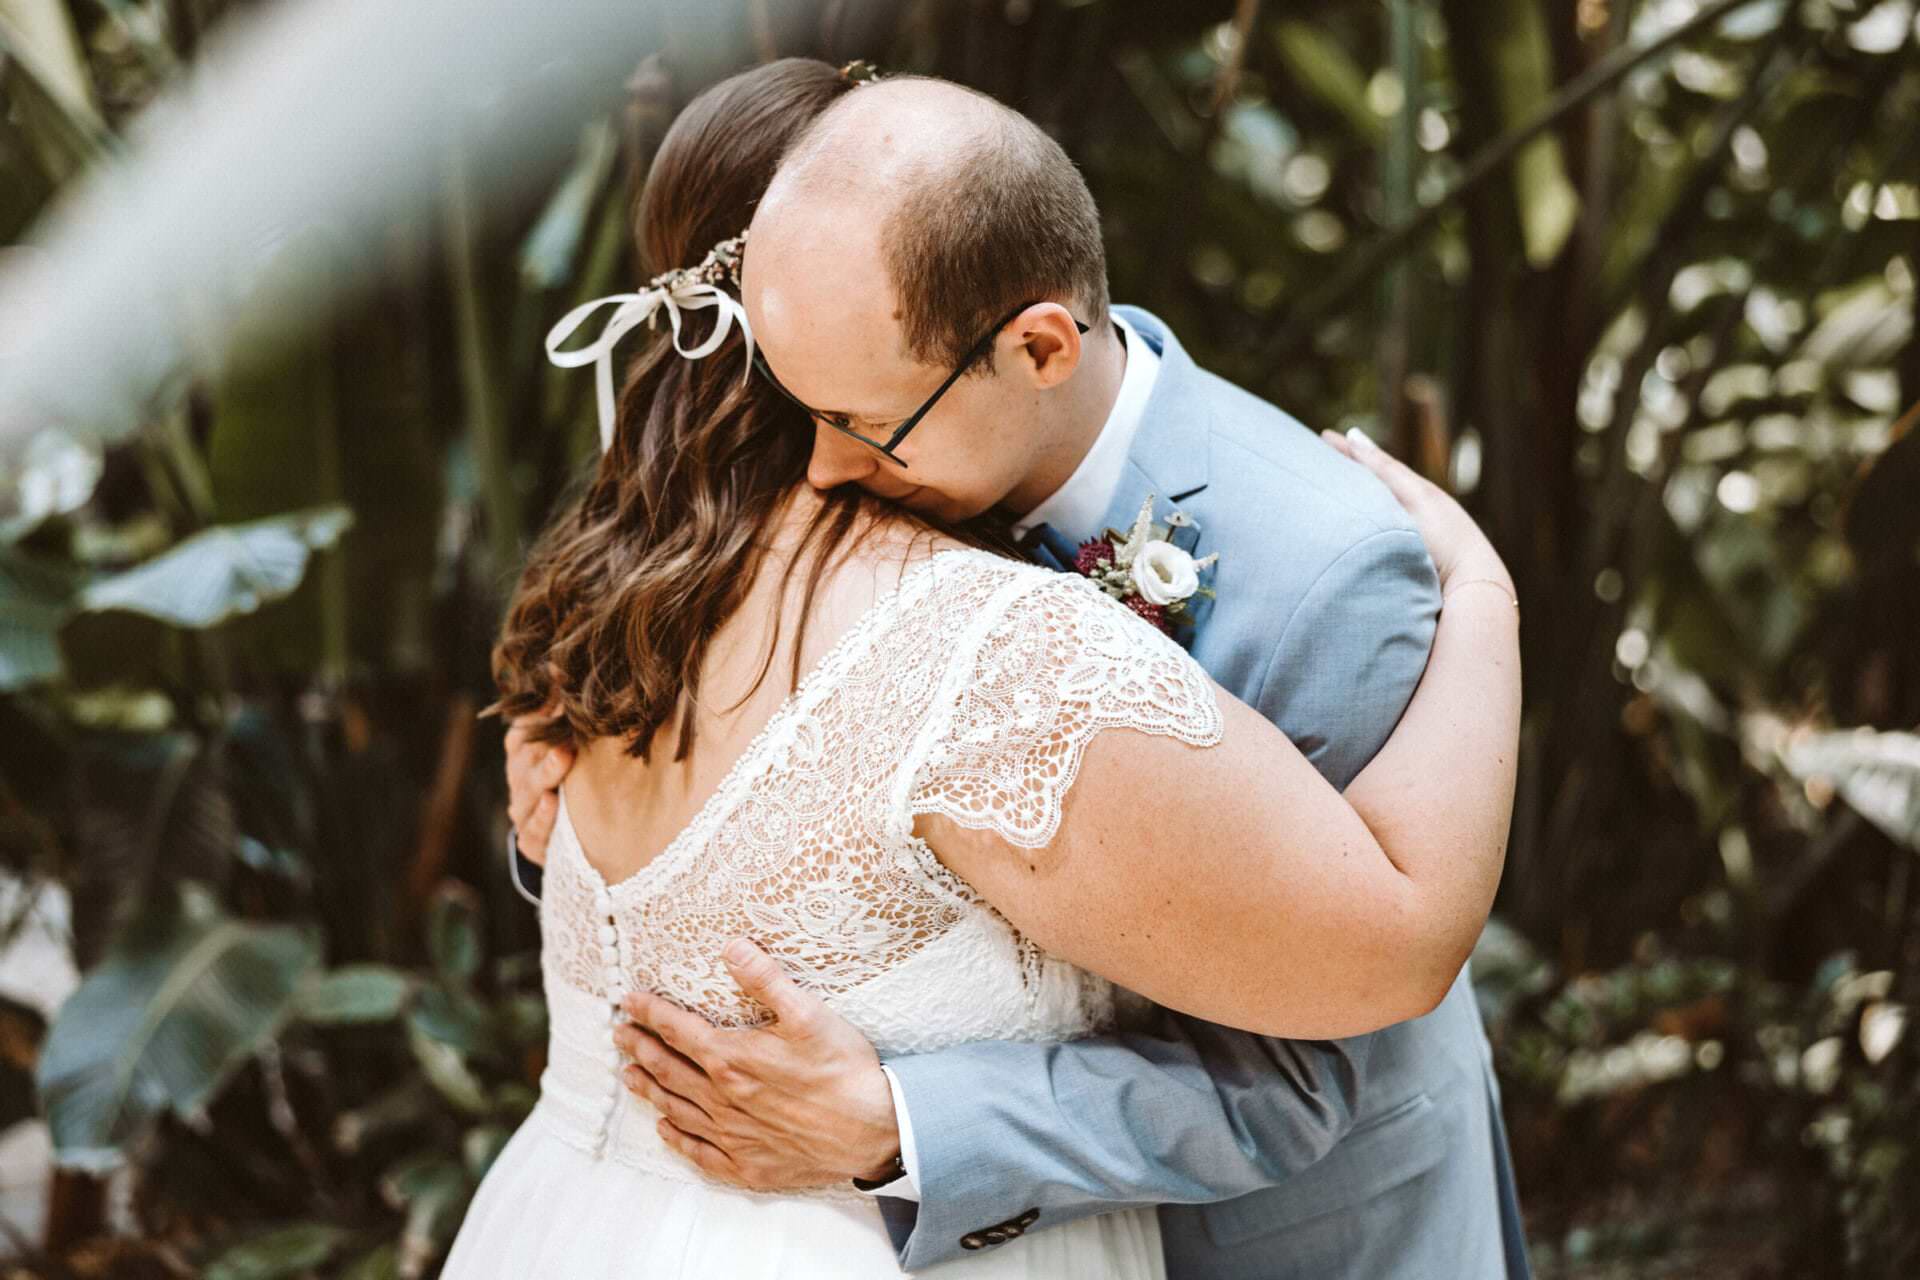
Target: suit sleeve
<point>1179,1110</point>
<point>525,873</point>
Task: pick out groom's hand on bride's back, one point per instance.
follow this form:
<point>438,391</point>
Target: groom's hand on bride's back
<point>798,1102</point>
<point>534,770</point>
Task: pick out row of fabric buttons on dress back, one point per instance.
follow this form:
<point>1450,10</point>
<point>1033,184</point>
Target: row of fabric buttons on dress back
<point>613,978</point>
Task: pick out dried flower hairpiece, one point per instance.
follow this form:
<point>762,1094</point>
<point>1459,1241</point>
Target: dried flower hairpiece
<point>698,288</point>
<point>720,266</point>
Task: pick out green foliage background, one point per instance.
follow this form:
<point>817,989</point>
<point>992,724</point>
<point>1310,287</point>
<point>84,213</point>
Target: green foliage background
<point>1635,277</point>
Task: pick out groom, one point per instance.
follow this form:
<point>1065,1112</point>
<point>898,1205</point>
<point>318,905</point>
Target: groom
<point>918,276</point>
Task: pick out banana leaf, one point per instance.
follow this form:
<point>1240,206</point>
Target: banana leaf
<point>34,603</point>
<point>1876,773</point>
<point>292,1250</point>
<point>183,997</point>
<point>355,993</point>
<point>221,572</point>
<point>1324,68</point>
<point>549,254</point>
<point>50,86</point>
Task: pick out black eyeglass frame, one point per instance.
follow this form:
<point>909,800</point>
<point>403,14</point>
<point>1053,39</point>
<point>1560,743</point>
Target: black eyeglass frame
<point>967,362</point>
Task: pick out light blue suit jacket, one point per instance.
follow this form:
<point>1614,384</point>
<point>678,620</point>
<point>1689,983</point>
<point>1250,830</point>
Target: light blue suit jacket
<point>1382,1156</point>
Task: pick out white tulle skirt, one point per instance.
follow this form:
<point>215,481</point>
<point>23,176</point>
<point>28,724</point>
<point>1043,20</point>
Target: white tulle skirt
<point>548,1209</point>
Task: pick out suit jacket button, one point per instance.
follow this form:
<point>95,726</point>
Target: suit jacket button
<point>972,1240</point>
<point>1028,1218</point>
<point>1014,1230</point>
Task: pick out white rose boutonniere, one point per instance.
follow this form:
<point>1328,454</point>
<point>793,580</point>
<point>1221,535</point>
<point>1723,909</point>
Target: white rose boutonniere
<point>1164,574</point>
<point>1144,570</point>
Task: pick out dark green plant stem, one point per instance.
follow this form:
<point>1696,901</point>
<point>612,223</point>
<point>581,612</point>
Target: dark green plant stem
<point>484,418</point>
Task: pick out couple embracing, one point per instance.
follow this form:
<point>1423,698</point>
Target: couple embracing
<point>909,905</point>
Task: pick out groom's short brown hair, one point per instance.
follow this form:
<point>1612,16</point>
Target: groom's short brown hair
<point>1005,219</point>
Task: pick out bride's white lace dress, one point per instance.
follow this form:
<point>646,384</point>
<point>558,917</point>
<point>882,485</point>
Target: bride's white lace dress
<point>970,690</point>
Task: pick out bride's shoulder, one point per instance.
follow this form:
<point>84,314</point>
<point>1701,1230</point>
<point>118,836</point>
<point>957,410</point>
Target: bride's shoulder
<point>877,560</point>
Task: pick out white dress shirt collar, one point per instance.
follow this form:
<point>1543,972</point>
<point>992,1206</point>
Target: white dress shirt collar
<point>1075,508</point>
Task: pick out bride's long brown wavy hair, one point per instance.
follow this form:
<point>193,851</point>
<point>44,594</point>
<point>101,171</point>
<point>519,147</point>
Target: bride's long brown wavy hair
<point>626,585</point>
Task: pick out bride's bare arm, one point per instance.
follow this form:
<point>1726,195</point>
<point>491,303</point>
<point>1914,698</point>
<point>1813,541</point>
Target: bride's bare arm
<point>1233,882</point>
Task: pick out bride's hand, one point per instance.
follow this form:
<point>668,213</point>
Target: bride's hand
<point>1458,547</point>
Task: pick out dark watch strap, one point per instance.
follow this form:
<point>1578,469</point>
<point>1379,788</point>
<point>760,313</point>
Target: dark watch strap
<point>898,1172</point>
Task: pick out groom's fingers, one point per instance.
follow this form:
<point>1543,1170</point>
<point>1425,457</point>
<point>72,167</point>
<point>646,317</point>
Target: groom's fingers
<point>709,1157</point>
<point>666,1068</point>
<point>688,1033</point>
<point>683,1114</point>
<point>798,1011</point>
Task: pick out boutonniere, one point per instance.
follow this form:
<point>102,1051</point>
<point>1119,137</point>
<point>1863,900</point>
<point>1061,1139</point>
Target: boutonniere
<point>1143,570</point>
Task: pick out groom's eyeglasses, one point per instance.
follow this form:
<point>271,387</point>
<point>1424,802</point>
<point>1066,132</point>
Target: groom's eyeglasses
<point>844,424</point>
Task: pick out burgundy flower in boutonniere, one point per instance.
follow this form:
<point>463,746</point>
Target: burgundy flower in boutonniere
<point>1144,570</point>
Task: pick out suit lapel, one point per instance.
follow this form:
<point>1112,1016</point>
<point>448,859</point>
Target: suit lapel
<point>1169,457</point>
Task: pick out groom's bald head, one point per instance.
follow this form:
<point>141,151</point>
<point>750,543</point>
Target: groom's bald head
<point>913,219</point>
<point>969,206</point>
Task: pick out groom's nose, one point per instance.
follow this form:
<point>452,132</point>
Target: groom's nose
<point>837,460</point>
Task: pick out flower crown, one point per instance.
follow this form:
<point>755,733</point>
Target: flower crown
<point>697,288</point>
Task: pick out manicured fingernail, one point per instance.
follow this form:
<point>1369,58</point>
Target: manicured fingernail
<point>738,952</point>
<point>1360,438</point>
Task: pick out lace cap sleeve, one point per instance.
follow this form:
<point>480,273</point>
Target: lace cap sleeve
<point>1048,666</point>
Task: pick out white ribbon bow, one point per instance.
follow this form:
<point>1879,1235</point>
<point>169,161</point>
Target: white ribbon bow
<point>642,308</point>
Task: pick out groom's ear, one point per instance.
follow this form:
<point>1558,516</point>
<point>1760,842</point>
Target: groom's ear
<point>1045,344</point>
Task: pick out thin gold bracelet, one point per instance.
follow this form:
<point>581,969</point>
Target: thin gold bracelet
<point>1492,582</point>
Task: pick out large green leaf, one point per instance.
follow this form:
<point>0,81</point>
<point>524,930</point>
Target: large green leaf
<point>355,993</point>
<point>551,249</point>
<point>453,931</point>
<point>219,573</point>
<point>446,1070</point>
<point>48,85</point>
<point>434,1192</point>
<point>54,473</point>
<point>1877,773</point>
<point>150,809</point>
<point>380,1263</point>
<point>35,600</point>
<point>293,1250</point>
<point>1862,326</point>
<point>40,33</point>
<point>1324,68</point>
<point>184,996</point>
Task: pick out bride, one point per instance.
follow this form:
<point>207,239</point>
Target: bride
<point>927,822</point>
